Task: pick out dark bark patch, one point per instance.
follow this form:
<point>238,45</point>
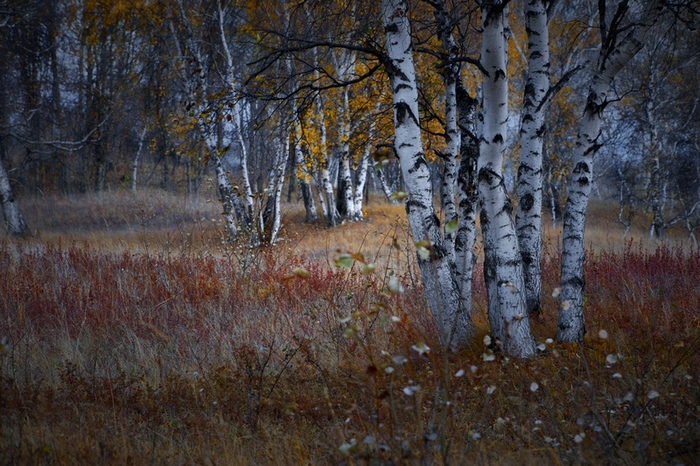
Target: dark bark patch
<point>419,163</point>
<point>403,112</point>
<point>527,202</point>
<point>391,28</point>
<point>500,74</point>
<point>401,86</point>
<point>498,139</point>
<point>582,167</point>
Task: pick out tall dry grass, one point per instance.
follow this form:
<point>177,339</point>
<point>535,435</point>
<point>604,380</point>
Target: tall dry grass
<point>155,342</point>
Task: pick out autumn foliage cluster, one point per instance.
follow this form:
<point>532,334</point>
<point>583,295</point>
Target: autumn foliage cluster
<point>273,357</point>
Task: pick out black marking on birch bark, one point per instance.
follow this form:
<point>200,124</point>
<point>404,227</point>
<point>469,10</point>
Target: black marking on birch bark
<point>391,28</point>
<point>412,203</point>
<point>582,167</point>
<point>484,220</point>
<point>401,86</point>
<point>527,257</point>
<point>500,74</point>
<point>577,281</point>
<point>420,162</point>
<point>527,202</point>
<point>403,111</point>
<point>535,55</point>
<point>498,139</point>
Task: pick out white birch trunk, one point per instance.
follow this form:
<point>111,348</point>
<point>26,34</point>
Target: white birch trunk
<point>226,194</point>
<point>454,326</point>
<point>570,327</point>
<point>361,181</point>
<point>326,195</point>
<point>303,176</point>
<point>14,221</point>
<point>238,110</point>
<point>275,188</point>
<point>247,187</point>
<point>503,272</point>
<point>384,184</point>
<point>452,134</point>
<point>345,187</point>
<point>528,218</point>
<point>468,196</point>
<point>135,166</point>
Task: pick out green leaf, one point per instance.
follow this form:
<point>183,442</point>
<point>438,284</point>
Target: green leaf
<point>398,195</point>
<point>452,226</point>
<point>368,268</point>
<point>343,261</point>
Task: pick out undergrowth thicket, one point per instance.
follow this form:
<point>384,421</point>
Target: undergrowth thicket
<point>259,356</point>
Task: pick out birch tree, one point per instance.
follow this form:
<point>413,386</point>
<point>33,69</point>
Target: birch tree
<point>503,273</point>
<point>528,217</point>
<point>14,221</point>
<point>621,37</point>
<point>452,321</point>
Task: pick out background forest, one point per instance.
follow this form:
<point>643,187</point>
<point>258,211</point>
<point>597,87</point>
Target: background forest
<point>245,232</point>
<point>107,95</point>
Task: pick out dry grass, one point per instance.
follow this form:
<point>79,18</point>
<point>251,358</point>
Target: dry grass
<point>131,334</point>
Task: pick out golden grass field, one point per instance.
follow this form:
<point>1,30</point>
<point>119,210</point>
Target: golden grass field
<point>131,333</point>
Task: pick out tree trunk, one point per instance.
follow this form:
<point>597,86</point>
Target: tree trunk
<point>451,75</point>
<point>135,165</point>
<point>360,184</point>
<point>468,196</point>
<point>303,177</point>
<point>227,198</point>
<point>611,60</point>
<point>275,185</point>
<point>528,217</point>
<point>14,221</point>
<point>346,207</point>
<point>453,324</point>
<point>386,189</point>
<point>503,272</point>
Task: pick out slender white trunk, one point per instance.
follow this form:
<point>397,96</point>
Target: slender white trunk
<point>345,187</point>
<point>528,218</point>
<point>326,195</point>
<point>247,187</point>
<point>454,326</point>
<point>275,187</point>
<point>451,76</point>
<point>135,166</point>
<point>226,194</point>
<point>460,131</point>
<point>303,176</point>
<point>468,196</point>
<point>361,181</point>
<point>386,189</point>
<point>571,326</point>
<point>14,221</point>
<point>503,272</point>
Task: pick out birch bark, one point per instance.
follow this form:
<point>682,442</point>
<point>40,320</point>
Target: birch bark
<point>14,221</point>
<point>303,175</point>
<point>453,324</point>
<point>503,273</point>
<point>528,217</point>
<point>451,75</point>
<point>611,60</point>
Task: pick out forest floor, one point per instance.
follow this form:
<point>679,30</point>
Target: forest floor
<point>131,333</point>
